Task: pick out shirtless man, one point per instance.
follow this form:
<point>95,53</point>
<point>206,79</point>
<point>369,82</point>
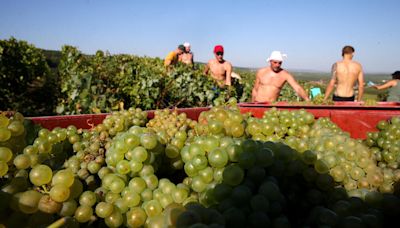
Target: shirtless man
<point>173,56</point>
<point>187,56</point>
<point>345,73</point>
<point>271,79</point>
<point>221,69</point>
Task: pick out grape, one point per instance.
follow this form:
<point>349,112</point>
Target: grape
<point>132,199</point>
<point>234,151</point>
<point>136,217</point>
<point>28,201</point>
<point>3,168</point>
<point>259,219</point>
<point>152,208</point>
<point>4,121</point>
<point>270,190</point>
<point>40,175</point>
<point>241,195</point>
<point>88,198</point>
<point>132,140</point>
<point>123,167</point>
<point>135,166</point>
<point>172,151</point>
<point>206,174</point>
<point>5,154</point>
<point>321,166</point>
<point>83,213</point>
<point>68,208</point>
<point>75,189</point>
<point>59,193</point>
<point>179,195</point>
<point>139,154</point>
<point>49,206</point>
<point>247,159</point>
<point>104,209</point>
<point>103,171</point>
<point>5,134</point>
<point>199,162</point>
<point>146,195</point>
<point>151,181</point>
<point>111,197</point>
<point>137,184</point>
<point>198,185</point>
<point>338,174</point>
<point>233,175</point>
<point>148,141</point>
<point>65,177</point>
<point>195,149</point>
<point>115,219</point>
<point>165,200</point>
<point>218,158</point>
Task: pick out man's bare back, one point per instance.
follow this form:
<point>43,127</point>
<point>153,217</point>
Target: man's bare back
<point>220,71</point>
<point>345,74</point>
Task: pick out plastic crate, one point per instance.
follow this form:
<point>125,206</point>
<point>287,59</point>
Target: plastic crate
<point>352,117</point>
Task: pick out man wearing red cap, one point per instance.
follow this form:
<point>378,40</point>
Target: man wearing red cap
<point>221,69</point>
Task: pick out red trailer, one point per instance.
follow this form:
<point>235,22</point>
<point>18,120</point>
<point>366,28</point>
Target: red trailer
<point>353,117</point>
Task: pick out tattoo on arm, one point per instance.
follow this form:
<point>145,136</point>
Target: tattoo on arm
<point>333,71</point>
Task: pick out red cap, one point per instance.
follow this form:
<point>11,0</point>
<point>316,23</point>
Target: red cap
<point>218,48</point>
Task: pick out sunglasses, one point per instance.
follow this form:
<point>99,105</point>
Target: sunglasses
<point>219,53</point>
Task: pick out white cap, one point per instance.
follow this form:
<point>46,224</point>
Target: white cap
<point>276,55</point>
<point>186,44</point>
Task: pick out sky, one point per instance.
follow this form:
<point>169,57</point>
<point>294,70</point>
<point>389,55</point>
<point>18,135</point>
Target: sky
<point>311,33</point>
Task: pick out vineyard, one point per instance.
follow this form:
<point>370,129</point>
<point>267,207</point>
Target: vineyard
<point>220,168</point>
<point>76,83</point>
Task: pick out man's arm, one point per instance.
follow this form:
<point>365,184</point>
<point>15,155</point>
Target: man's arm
<point>168,59</point>
<point>297,87</point>
<point>167,62</point>
<point>254,92</point>
<point>206,68</point>
<point>360,85</point>
<point>332,82</point>
<point>228,77</point>
<point>388,84</point>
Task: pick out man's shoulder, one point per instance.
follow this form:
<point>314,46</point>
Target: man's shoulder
<point>263,70</point>
<point>357,63</point>
<point>172,53</point>
<point>352,62</point>
<point>211,61</point>
<point>227,63</point>
<point>285,73</point>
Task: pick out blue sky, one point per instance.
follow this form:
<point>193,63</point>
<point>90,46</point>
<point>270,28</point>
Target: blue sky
<point>311,33</point>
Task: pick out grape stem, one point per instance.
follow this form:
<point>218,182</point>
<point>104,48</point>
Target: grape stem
<point>58,223</point>
<point>45,189</point>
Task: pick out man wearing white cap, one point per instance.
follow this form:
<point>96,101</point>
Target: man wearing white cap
<point>271,79</point>
<point>187,56</point>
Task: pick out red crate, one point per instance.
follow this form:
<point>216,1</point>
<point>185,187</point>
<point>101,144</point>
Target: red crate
<point>352,117</point>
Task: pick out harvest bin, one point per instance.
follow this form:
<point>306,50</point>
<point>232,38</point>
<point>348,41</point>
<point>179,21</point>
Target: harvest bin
<point>352,117</point>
